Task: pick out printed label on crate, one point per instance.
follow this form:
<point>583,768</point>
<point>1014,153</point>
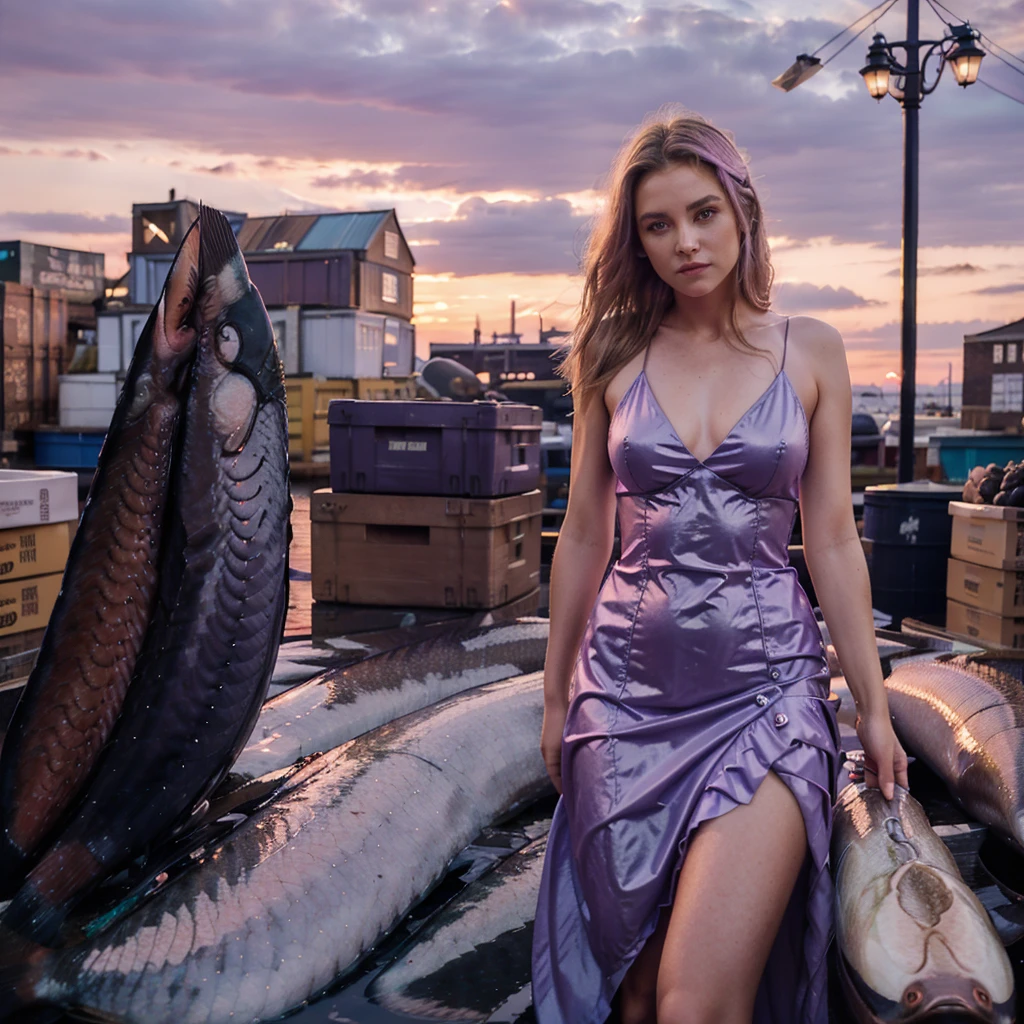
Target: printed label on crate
<point>407,446</point>
<point>26,604</point>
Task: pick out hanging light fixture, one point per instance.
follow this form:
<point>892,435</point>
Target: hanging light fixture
<point>876,72</point>
<point>965,55</point>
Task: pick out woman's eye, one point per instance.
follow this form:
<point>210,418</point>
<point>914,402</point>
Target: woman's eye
<point>707,209</point>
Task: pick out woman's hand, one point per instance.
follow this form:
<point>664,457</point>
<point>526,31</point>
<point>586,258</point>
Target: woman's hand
<point>551,742</point>
<point>885,761</point>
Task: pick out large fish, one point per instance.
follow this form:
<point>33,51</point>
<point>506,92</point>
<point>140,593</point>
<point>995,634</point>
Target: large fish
<point>914,942</point>
<point>964,717</point>
<point>310,883</point>
<point>211,646</point>
<point>472,960</point>
<point>75,692</point>
<point>342,703</point>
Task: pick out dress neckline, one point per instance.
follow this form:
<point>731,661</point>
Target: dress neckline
<point>721,444</point>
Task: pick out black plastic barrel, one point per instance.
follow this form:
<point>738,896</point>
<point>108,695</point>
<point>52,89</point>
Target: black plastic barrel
<point>909,527</point>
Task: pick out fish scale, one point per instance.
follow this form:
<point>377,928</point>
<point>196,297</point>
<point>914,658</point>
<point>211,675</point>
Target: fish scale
<point>312,882</point>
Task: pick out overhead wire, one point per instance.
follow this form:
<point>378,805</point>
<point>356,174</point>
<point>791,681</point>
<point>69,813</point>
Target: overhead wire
<point>992,45</point>
<point>887,4</point>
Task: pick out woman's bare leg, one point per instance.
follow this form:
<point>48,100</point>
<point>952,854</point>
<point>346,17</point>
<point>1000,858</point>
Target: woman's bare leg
<point>638,991</point>
<point>733,890</point>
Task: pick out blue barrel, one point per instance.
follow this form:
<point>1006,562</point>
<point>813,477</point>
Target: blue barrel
<point>909,527</point>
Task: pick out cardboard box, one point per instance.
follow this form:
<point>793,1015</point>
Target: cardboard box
<point>32,496</point>
<point>987,627</point>
<point>989,535</point>
<point>26,604</point>
<point>390,549</point>
<point>1000,591</point>
<point>34,550</point>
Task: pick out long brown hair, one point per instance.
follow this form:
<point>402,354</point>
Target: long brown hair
<point>624,300</point>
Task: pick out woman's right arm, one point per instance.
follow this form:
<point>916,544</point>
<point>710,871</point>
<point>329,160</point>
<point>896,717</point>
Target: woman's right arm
<point>581,555</point>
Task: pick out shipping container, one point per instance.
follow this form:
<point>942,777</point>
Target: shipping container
<point>34,352</point>
<point>78,274</point>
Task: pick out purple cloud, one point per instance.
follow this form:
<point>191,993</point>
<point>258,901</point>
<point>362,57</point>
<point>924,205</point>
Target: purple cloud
<point>64,223</point>
<point>802,296</point>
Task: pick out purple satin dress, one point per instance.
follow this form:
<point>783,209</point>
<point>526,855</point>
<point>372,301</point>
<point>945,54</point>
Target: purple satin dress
<point>701,668</point>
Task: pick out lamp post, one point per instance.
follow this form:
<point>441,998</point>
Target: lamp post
<point>958,48</point>
<point>906,83</point>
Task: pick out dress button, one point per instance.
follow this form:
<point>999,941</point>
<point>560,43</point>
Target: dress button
<point>780,720</point>
<point>746,579</point>
<point>775,673</point>
<point>761,700</point>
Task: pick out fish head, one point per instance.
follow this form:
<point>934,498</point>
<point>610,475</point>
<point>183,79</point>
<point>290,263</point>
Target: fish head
<point>168,340</point>
<point>237,360</point>
<point>949,998</point>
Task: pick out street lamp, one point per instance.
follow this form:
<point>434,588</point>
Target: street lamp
<point>905,82</point>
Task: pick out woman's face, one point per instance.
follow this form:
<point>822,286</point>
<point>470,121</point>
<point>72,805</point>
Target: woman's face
<point>684,219</point>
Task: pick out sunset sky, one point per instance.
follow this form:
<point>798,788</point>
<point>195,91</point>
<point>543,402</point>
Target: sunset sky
<point>490,125</point>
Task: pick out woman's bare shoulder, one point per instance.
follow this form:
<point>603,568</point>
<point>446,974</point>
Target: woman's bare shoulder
<point>811,333</point>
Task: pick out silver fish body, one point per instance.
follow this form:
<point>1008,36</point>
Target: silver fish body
<point>473,958</point>
<point>310,883</point>
<point>964,717</point>
<point>914,942</point>
<point>343,703</point>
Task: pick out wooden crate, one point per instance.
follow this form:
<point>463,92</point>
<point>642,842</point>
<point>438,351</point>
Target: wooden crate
<point>396,549</point>
<point>987,628</point>
<point>991,535</point>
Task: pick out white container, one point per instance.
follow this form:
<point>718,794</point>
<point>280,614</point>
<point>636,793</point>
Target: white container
<point>30,496</point>
<point>87,399</point>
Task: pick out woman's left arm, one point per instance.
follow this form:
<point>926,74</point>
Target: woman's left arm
<point>835,558</point>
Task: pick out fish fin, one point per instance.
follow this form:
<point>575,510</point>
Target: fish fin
<point>217,243</point>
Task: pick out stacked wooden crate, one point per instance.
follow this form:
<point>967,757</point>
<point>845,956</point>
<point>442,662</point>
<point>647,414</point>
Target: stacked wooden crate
<point>38,513</point>
<point>431,504</point>
<point>985,574</point>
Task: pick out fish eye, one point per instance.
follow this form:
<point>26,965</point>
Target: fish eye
<point>981,997</point>
<point>229,343</point>
<point>913,996</point>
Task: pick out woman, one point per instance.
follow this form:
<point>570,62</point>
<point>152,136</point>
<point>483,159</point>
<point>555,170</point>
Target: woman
<point>686,711</point>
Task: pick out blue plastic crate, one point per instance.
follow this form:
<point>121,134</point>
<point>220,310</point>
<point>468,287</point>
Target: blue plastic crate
<point>60,450</point>
<point>958,455</point>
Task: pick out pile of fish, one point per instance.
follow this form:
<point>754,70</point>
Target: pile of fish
<point>914,943</point>
<point>309,884</point>
<point>128,900</point>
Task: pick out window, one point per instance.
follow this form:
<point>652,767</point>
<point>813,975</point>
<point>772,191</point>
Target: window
<point>1011,352</point>
<point>389,287</point>
<point>1007,392</point>
<point>391,245</point>
<point>997,353</point>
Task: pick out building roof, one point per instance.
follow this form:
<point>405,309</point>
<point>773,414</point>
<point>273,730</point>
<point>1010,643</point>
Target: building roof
<point>343,230</point>
<point>261,234</point>
<point>1008,332</point>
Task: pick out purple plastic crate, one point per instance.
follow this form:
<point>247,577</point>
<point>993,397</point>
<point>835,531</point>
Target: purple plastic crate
<point>482,449</point>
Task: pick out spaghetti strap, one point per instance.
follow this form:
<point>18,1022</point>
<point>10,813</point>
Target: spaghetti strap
<point>785,344</point>
<point>647,352</point>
